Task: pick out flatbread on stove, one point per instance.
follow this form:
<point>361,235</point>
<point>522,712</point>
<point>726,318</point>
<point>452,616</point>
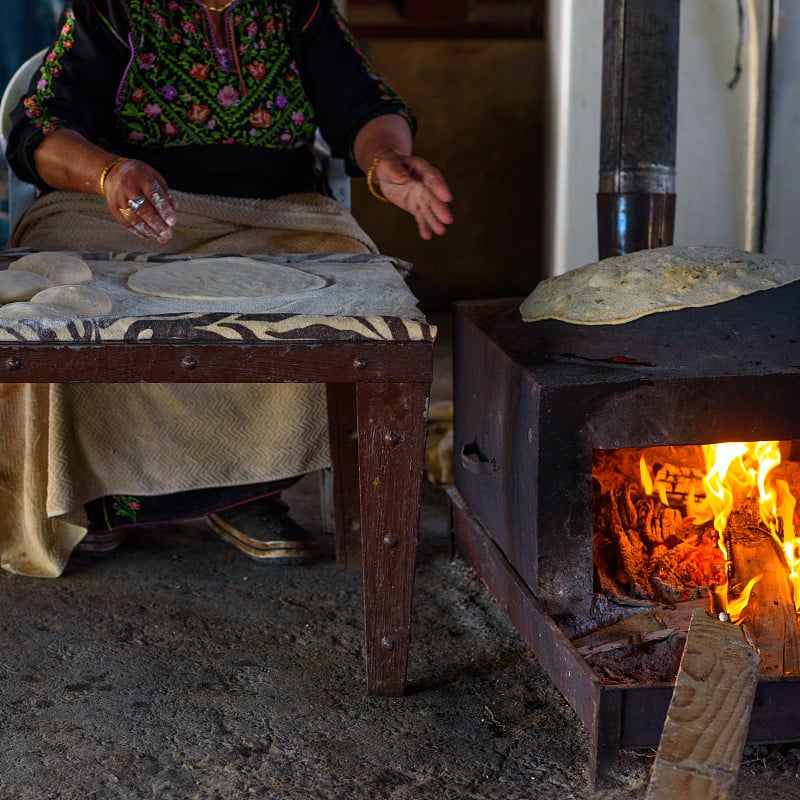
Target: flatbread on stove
<point>224,278</point>
<point>624,288</point>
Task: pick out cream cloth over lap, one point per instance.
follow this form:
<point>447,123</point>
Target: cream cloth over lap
<point>66,444</point>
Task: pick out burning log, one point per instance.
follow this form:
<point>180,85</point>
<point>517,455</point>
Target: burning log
<point>706,727</point>
<point>770,613</point>
<point>620,548</point>
<point>651,551</point>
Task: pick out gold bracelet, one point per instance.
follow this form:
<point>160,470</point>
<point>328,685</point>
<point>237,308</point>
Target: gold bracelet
<point>104,174</point>
<point>371,174</point>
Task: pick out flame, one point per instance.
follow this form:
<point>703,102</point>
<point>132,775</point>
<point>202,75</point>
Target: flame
<point>741,471</point>
<point>647,478</point>
<point>739,475</point>
<point>650,486</point>
<point>737,605</point>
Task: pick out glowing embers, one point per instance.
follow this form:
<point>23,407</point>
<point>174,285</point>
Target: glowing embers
<point>683,523</point>
<point>646,544</point>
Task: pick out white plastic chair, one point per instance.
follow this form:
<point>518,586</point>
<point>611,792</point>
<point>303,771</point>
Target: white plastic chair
<point>22,194</point>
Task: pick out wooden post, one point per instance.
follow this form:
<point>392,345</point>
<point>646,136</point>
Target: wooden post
<point>344,456</point>
<point>706,727</point>
<point>391,434</point>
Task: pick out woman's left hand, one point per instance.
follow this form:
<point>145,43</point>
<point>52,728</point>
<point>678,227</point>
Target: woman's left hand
<point>411,183</point>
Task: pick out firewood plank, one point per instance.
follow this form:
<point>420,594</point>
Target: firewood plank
<point>770,615</point>
<point>706,726</point>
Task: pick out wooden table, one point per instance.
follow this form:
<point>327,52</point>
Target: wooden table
<point>378,379</point>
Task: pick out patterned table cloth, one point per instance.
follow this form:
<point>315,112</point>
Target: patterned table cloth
<point>365,298</point>
<point>62,445</point>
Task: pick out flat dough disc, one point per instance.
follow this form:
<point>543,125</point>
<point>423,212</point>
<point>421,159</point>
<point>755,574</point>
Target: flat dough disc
<point>624,288</point>
<point>85,301</point>
<point>35,311</point>
<point>16,285</point>
<point>222,279</point>
<point>60,268</point>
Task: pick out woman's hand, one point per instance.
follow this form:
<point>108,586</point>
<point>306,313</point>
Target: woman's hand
<point>411,183</point>
<point>138,197</point>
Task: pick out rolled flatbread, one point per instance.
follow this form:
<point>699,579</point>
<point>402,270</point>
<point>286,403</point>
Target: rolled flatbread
<point>35,311</point>
<point>60,268</point>
<point>224,278</point>
<point>17,285</point>
<point>85,301</point>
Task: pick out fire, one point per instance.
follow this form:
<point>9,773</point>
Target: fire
<point>740,475</point>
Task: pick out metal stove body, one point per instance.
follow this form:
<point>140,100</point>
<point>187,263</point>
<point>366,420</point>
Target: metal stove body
<point>531,403</point>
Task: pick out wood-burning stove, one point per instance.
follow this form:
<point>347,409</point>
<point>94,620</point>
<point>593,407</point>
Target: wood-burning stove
<point>534,401</point>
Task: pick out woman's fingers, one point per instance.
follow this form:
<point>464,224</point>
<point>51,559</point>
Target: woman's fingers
<point>163,204</point>
<point>414,185</point>
<point>156,215</point>
<point>139,198</point>
<point>433,180</point>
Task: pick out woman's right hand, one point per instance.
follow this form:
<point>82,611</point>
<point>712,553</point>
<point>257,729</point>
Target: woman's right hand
<point>139,199</point>
<point>65,159</point>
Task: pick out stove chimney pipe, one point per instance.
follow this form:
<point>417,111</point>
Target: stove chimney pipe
<point>636,192</point>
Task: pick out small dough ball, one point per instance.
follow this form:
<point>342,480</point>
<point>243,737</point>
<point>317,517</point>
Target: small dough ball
<point>60,268</point>
<point>35,311</point>
<point>85,301</point>
<point>19,285</point>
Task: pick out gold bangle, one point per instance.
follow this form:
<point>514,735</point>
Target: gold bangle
<point>371,174</point>
<point>104,174</point>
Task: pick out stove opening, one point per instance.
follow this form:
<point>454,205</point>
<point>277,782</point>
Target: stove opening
<point>714,525</point>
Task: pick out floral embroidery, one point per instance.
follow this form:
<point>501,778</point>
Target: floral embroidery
<point>244,90</point>
<point>126,506</point>
<point>228,96</point>
<point>387,93</point>
<point>199,72</point>
<point>257,98</point>
<point>36,104</point>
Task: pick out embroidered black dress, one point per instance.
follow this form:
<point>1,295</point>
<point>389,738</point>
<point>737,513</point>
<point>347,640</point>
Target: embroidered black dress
<point>148,79</point>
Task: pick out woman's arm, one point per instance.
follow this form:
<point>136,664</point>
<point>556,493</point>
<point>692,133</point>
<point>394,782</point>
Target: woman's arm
<point>382,150</point>
<point>65,159</point>
<point>365,121</point>
<point>69,106</point>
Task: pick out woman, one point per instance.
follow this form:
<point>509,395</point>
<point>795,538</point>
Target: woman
<point>187,126</point>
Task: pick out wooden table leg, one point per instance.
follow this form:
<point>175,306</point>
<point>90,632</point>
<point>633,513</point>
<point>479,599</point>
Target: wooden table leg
<point>344,457</point>
<point>391,425</point>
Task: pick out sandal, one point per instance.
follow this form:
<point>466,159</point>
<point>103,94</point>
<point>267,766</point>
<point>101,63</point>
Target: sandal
<point>97,544</point>
<point>264,531</point>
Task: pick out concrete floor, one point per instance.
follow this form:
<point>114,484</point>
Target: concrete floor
<point>177,668</point>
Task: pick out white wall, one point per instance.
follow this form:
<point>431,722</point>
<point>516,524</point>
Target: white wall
<point>719,137</point>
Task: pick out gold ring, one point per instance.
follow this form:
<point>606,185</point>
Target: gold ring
<point>126,212</point>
